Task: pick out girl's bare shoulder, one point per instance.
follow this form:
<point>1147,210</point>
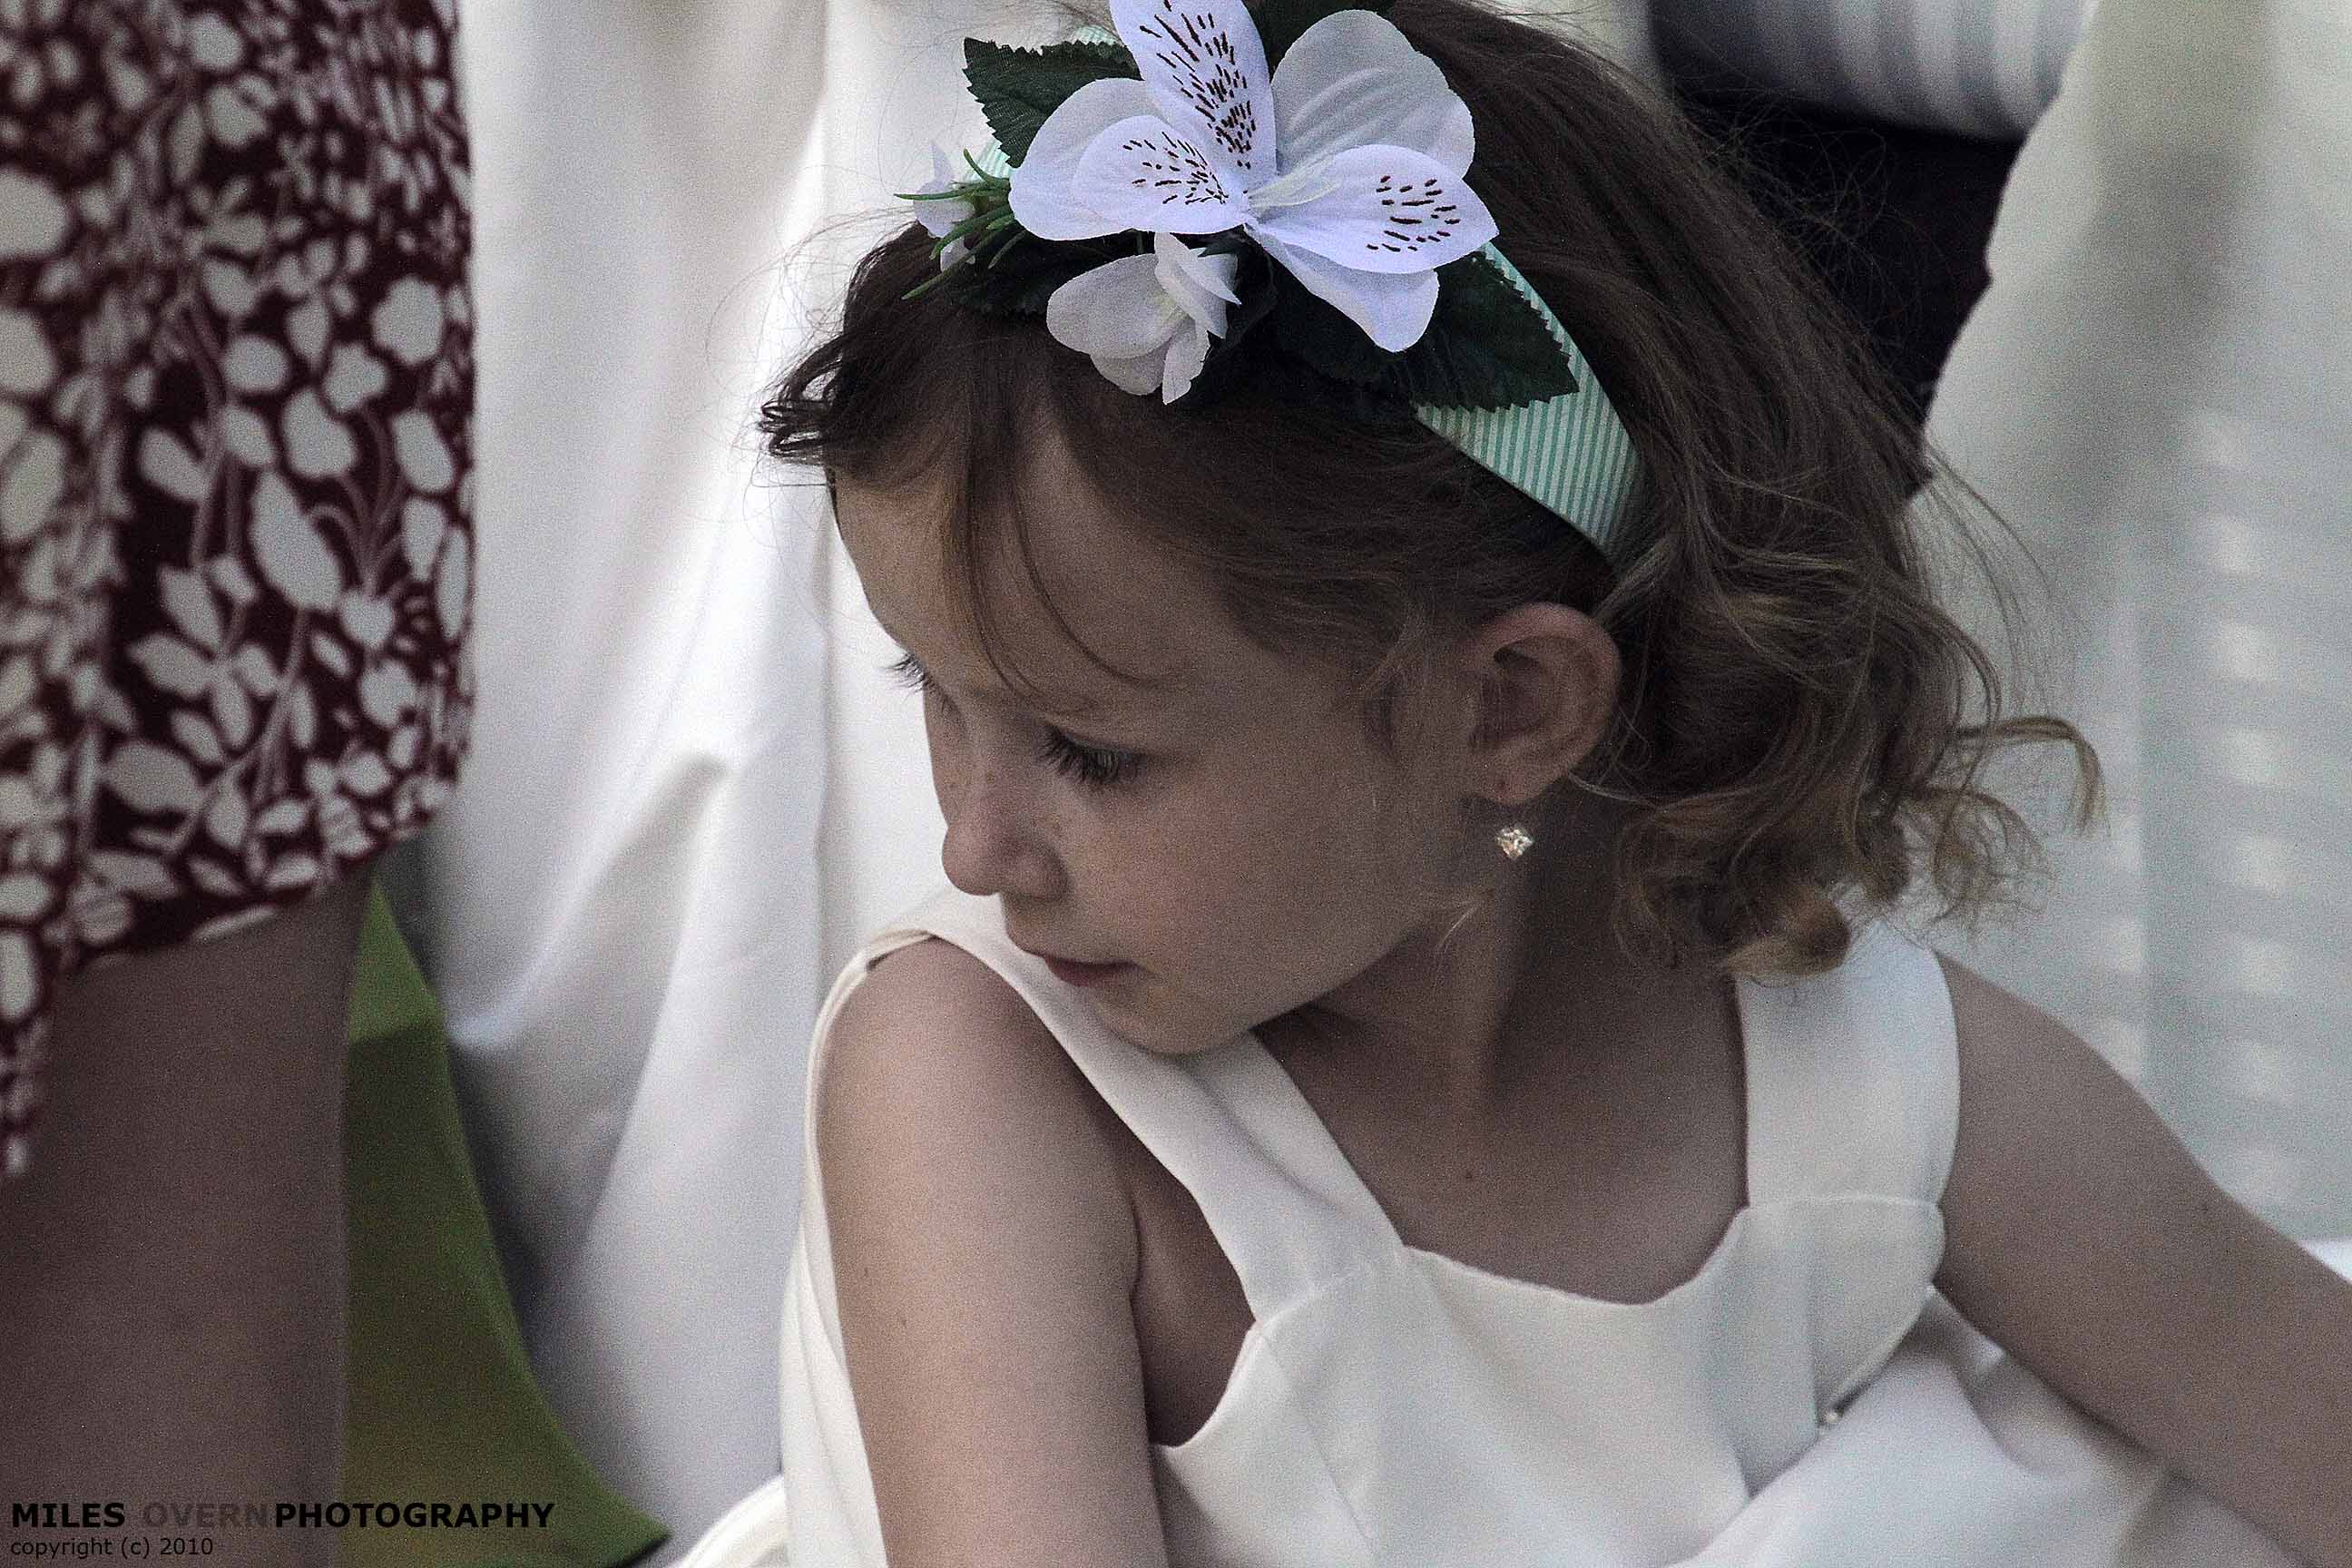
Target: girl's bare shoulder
<point>936,1060</point>
<point>2084,1237</point>
<point>984,1250</point>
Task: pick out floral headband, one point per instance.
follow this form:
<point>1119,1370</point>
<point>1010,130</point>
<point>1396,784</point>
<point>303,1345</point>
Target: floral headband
<point>1336,238</point>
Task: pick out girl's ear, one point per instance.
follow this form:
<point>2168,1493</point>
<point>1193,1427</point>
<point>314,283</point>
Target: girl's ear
<point>1546,679</point>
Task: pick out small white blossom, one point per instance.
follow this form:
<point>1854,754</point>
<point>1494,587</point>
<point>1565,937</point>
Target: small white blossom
<point>1146,320</point>
<point>939,217</point>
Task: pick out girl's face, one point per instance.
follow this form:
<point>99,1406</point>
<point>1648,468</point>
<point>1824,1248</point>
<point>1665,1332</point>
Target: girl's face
<point>1222,837</point>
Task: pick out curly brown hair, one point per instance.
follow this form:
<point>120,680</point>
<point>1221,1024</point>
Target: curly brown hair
<point>1793,721</point>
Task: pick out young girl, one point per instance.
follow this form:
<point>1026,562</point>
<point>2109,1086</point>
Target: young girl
<point>1433,692</point>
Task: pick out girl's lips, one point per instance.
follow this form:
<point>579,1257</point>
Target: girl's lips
<point>1080,974</point>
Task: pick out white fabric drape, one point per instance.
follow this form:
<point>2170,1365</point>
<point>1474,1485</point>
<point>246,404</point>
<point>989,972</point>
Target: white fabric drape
<point>619,908</point>
<point>2155,393</point>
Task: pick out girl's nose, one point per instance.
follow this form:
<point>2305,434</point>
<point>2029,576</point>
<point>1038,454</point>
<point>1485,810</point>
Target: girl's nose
<point>995,843</point>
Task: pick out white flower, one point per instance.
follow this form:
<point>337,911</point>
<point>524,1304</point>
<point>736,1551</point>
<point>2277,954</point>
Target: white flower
<point>1146,320</point>
<point>1346,165</point>
<point>937,217</point>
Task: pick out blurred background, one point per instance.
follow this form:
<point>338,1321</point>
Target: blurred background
<point>2103,250</point>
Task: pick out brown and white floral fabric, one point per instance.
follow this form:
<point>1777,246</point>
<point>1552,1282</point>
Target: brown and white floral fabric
<point>236,535</point>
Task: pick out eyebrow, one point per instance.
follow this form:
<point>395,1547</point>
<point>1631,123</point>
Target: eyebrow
<point>1057,704</point>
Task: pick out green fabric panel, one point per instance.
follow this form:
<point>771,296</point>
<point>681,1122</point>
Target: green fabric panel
<point>442,1406</point>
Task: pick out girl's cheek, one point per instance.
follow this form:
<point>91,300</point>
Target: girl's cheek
<point>947,763</point>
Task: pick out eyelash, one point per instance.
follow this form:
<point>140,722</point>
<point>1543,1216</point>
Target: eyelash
<point>1091,766</point>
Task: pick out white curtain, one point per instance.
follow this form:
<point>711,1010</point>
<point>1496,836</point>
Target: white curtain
<point>691,789</point>
<point>620,907</point>
<point>2155,393</point>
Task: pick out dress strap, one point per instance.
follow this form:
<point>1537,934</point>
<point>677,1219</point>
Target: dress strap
<point>1853,1077</point>
<point>1228,1123</point>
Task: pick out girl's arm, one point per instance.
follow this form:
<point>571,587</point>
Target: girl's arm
<point>2084,1238</point>
<point>983,1254</point>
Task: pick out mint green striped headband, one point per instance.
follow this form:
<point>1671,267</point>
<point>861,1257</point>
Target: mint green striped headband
<point>1569,454</point>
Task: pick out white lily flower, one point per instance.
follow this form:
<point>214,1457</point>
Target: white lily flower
<point>1346,165</point>
<point>939,217</point>
<point>1146,320</point>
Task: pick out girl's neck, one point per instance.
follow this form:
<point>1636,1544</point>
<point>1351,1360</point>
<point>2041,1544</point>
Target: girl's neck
<point>1458,1020</point>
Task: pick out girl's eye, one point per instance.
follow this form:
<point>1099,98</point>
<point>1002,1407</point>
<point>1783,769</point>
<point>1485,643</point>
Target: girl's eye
<point>908,673</point>
<point>1091,766</point>
<point>1094,766</point>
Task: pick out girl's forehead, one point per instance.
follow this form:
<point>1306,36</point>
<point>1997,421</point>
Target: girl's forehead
<point>1146,615</point>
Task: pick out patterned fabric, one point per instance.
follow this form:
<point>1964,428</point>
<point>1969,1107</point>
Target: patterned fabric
<point>235,390</point>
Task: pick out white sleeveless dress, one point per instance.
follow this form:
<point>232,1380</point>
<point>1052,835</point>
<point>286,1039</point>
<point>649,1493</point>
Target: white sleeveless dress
<point>1804,1401</point>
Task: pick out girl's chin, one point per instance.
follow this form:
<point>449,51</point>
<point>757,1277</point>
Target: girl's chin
<point>1156,1029</point>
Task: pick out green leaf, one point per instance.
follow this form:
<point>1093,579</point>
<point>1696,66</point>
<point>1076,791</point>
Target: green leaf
<point>1487,346</point>
<point>1018,88</point>
<point>1254,284</point>
<point>1485,349</point>
<point>1280,22</point>
<point>1234,358</point>
<point>1325,339</point>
